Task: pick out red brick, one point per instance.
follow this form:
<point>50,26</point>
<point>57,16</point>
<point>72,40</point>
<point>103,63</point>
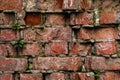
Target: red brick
<point>80,49</point>
<point>32,49</point>
<point>13,64</point>
<point>56,34</point>
<point>107,17</point>
<point>55,19</point>
<point>6,49</point>
<point>107,76</point>
<point>108,5</point>
<point>33,18</point>
<point>105,48</point>
<point>56,48</point>
<point>6,77</point>
<point>32,34</point>
<point>85,34</point>
<point>57,76</point>
<point>50,5</point>
<point>70,4</point>
<point>57,63</point>
<point>82,76</point>
<point>105,34</point>
<point>7,18</point>
<point>11,4</point>
<point>102,63</point>
<point>117,76</point>
<point>86,4</point>
<point>81,19</point>
<point>31,77</point>
<point>8,35</point>
<point>84,18</point>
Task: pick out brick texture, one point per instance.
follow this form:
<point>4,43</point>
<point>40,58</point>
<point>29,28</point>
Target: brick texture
<point>54,63</point>
<point>59,39</point>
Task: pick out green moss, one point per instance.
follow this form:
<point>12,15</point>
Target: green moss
<point>16,26</point>
<point>96,73</point>
<point>19,44</point>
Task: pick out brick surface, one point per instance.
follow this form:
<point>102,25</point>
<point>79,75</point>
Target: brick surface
<point>50,5</point>
<point>57,63</point>
<point>56,48</point>
<point>32,34</point>
<point>6,77</point>
<point>56,34</point>
<point>85,34</point>
<point>31,77</point>
<point>107,17</point>
<point>82,76</point>
<point>102,63</point>
<point>70,4</point>
<point>32,49</point>
<point>31,5</point>
<point>80,49</point>
<point>105,48</point>
<point>55,19</point>
<point>33,18</point>
<point>107,76</point>
<point>11,5</point>
<point>105,34</point>
<point>86,4</point>
<point>57,76</point>
<point>7,50</point>
<point>7,18</point>
<point>8,35</point>
<point>13,64</point>
<point>81,19</point>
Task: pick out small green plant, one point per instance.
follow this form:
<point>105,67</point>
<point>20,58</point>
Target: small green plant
<point>96,73</point>
<point>16,26</point>
<point>118,53</point>
<point>19,44</point>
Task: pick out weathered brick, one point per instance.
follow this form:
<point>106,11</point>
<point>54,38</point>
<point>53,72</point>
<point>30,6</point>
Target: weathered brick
<point>105,48</point>
<point>50,5</point>
<point>56,34</point>
<point>85,34</point>
<point>82,76</point>
<point>32,34</point>
<point>57,63</point>
<point>32,49</point>
<point>31,5</point>
<point>33,18</point>
<point>7,18</point>
<point>107,76</point>
<point>31,77</point>
<point>55,19</point>
<point>56,48</point>
<point>108,5</point>
<point>105,33</point>
<point>70,4</point>
<point>13,64</point>
<point>80,49</point>
<point>86,4</point>
<point>7,50</point>
<point>107,17</point>
<point>8,35</point>
<point>6,77</point>
<point>81,19</point>
<point>11,5</point>
<point>57,76</point>
<point>102,63</point>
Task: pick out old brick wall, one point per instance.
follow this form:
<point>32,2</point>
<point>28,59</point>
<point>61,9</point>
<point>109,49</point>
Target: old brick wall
<point>59,40</point>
